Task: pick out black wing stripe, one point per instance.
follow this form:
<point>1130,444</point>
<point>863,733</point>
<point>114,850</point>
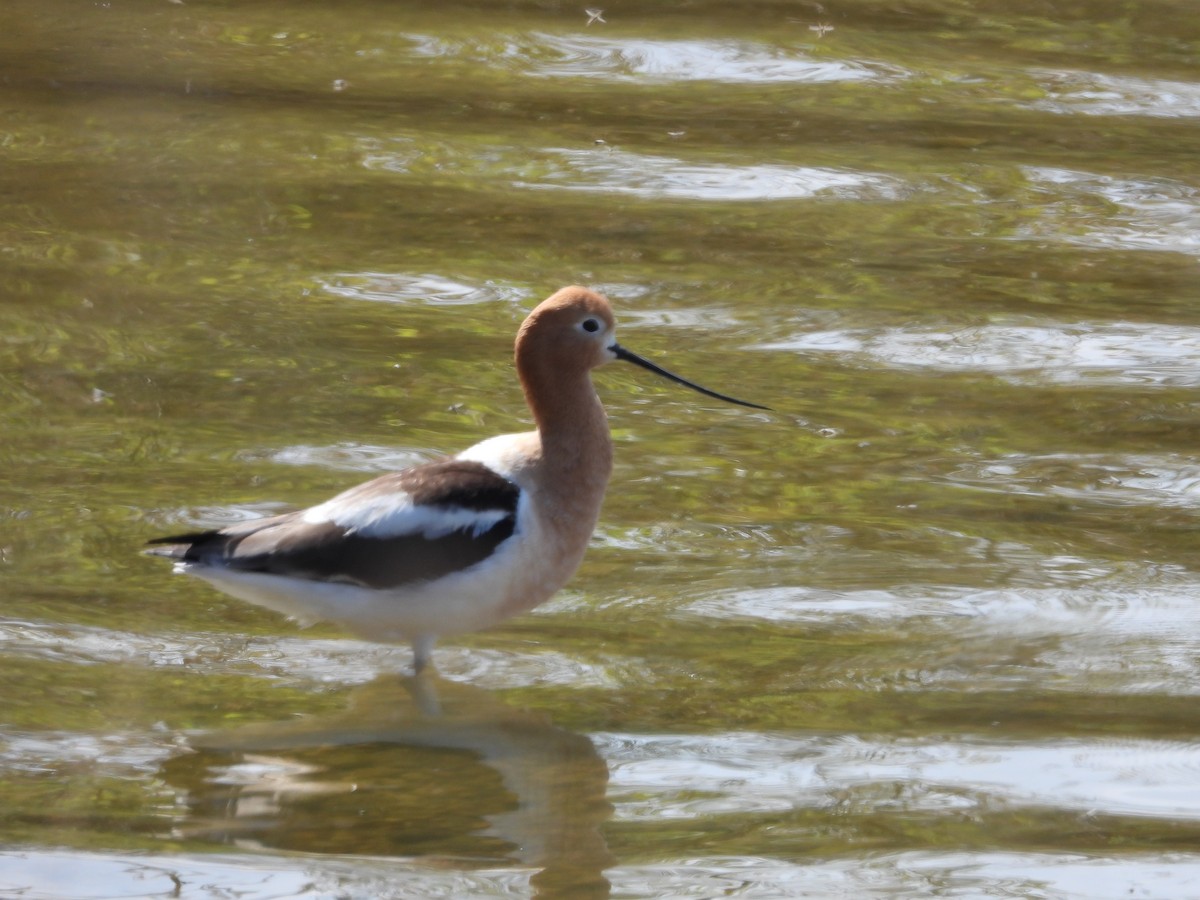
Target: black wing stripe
<point>289,546</point>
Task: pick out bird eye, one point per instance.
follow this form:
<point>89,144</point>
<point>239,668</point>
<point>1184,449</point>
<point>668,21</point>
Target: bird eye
<point>591,326</point>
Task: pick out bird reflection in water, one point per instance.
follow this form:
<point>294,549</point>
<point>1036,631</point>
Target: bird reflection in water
<point>440,773</point>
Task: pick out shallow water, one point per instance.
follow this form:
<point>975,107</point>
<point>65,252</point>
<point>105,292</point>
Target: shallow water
<point>930,627</point>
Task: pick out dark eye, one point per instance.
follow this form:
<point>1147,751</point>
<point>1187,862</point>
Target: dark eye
<point>591,326</point>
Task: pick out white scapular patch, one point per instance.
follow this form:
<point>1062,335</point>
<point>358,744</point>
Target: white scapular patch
<point>395,515</point>
<point>503,454</point>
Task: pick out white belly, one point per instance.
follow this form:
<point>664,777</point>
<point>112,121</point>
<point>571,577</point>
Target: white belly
<point>524,571</point>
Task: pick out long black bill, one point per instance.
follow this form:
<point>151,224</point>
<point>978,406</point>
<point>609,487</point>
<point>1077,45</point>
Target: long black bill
<point>631,357</point>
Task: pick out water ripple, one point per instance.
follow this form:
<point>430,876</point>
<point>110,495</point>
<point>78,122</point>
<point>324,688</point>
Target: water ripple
<point>433,290</point>
<point>1134,631</point>
<point>1108,213</point>
<point>1139,353</point>
<point>1165,481</point>
<point>600,169</point>
<point>653,777</point>
<point>36,874</point>
<point>344,457</point>
<point>325,661</point>
<point>647,60</point>
<point>1096,94</point>
<point>51,875</point>
<point>1136,602</point>
<point>732,62</point>
<point>642,175</point>
<point>916,875</point>
<point>119,754</point>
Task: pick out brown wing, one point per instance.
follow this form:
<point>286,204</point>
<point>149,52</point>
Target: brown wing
<point>417,546</point>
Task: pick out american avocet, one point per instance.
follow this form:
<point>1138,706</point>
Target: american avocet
<point>458,544</point>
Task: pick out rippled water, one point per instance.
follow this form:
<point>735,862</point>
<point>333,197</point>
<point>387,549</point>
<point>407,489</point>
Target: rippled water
<point>930,627</point>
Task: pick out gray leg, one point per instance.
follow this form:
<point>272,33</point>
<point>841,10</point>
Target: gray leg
<point>422,651</point>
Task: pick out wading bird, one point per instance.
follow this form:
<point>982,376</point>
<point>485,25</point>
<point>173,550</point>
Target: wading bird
<point>457,544</point>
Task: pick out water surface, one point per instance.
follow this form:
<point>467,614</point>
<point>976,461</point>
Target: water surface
<point>929,627</point>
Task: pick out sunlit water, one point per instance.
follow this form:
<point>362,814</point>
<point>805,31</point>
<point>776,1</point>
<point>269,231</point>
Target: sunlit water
<point>929,628</point>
